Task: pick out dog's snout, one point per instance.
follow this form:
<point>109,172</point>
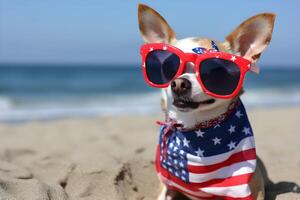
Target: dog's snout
<point>180,86</point>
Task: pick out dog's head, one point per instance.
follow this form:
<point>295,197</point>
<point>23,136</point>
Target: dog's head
<point>184,99</point>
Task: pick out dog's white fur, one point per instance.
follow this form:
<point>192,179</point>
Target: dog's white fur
<point>191,117</point>
<point>248,40</point>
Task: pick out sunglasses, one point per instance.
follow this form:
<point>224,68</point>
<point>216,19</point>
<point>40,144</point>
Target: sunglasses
<point>219,74</point>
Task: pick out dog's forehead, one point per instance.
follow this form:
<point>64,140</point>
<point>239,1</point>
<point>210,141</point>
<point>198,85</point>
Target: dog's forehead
<point>187,44</point>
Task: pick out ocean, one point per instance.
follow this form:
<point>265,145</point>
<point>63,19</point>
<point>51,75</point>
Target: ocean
<point>42,92</point>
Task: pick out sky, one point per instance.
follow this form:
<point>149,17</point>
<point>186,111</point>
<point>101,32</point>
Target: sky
<point>106,31</point>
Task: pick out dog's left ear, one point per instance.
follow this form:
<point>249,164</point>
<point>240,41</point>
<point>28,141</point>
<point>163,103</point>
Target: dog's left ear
<point>251,37</point>
<point>153,27</point>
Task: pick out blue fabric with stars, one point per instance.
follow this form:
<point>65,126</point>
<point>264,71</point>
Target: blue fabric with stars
<point>222,138</point>
<point>201,50</point>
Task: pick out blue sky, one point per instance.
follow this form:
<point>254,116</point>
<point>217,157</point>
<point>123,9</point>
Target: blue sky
<point>98,31</point>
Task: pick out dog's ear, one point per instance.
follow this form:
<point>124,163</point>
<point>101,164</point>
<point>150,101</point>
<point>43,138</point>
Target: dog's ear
<point>153,27</point>
<point>251,37</point>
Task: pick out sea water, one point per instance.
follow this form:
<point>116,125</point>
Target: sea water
<point>44,91</point>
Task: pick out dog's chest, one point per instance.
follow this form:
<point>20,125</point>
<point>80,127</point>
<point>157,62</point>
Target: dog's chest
<point>180,153</point>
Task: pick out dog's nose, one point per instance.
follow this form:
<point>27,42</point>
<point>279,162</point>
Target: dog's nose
<point>180,86</point>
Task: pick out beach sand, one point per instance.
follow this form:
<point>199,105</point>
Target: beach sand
<point>113,158</point>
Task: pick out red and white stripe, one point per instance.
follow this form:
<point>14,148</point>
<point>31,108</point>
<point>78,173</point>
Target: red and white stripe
<point>226,175</point>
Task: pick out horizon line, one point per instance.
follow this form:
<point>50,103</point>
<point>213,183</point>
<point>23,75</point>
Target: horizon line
<point>78,64</point>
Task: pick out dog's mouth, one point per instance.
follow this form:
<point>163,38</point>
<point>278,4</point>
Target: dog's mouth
<point>184,103</point>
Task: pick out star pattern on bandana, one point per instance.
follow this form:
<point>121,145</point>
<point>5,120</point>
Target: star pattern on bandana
<point>231,145</point>
<point>199,152</point>
<point>247,131</point>
<point>216,141</point>
<point>238,114</point>
<point>200,133</point>
<point>231,129</point>
<point>222,138</point>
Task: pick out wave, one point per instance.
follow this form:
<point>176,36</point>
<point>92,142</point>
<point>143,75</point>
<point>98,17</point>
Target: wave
<point>271,98</point>
<point>116,105</point>
<point>86,107</point>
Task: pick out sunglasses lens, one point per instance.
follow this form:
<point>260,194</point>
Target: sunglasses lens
<point>161,66</point>
<point>219,76</point>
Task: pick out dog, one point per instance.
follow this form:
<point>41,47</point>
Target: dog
<point>192,109</point>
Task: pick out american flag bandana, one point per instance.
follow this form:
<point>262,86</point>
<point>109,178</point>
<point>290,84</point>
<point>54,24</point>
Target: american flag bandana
<point>209,163</point>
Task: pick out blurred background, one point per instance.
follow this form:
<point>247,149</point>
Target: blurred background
<point>81,58</point>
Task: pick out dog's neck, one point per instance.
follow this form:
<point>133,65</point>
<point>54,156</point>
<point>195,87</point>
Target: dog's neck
<point>191,119</point>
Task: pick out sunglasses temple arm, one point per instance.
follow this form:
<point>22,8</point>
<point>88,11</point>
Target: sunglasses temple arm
<point>254,68</point>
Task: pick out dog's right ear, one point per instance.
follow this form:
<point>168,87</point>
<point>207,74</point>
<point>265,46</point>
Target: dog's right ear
<point>251,37</point>
<point>153,26</point>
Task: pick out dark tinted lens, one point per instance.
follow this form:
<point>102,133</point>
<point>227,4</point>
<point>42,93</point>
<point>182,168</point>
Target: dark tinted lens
<point>219,76</point>
<point>161,66</point>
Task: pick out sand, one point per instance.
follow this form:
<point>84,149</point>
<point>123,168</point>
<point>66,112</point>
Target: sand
<point>113,158</point>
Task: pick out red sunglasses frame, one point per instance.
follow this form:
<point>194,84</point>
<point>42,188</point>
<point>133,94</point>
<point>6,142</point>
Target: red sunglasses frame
<point>244,65</point>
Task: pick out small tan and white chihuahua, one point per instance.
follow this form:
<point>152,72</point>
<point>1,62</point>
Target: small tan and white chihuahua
<point>206,148</point>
